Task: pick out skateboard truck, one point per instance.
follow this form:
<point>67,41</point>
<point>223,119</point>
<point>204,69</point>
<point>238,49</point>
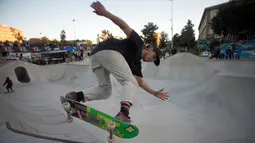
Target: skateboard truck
<point>111,127</point>
<point>67,108</point>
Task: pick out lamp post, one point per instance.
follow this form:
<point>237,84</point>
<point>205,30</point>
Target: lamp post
<point>41,39</point>
<point>172,24</point>
<point>74,29</point>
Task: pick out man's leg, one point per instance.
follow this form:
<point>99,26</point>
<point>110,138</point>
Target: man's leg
<point>104,88</point>
<point>115,63</point>
<point>102,91</point>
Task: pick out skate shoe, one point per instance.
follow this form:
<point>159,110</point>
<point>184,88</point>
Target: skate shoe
<point>122,117</point>
<point>76,96</point>
<point>72,95</point>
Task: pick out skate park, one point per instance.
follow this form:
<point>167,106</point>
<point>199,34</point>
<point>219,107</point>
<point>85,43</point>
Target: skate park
<point>210,101</point>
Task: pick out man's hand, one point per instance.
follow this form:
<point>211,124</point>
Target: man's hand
<point>99,9</point>
<point>162,95</point>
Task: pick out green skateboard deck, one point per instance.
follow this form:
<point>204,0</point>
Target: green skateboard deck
<point>100,119</point>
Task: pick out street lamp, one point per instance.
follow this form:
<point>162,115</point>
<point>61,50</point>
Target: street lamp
<point>41,39</point>
<point>74,29</point>
<point>172,24</point>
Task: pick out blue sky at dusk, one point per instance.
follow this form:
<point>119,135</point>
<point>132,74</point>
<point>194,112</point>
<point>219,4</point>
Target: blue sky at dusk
<point>49,17</point>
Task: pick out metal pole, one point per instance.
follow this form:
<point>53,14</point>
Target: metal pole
<point>172,27</point>
<point>74,29</point>
<point>41,39</point>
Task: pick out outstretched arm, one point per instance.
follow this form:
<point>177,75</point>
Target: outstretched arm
<point>100,10</point>
<point>121,23</point>
<point>5,82</point>
<point>160,94</point>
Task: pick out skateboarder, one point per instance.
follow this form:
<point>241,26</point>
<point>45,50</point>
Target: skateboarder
<point>121,58</point>
<point>9,84</point>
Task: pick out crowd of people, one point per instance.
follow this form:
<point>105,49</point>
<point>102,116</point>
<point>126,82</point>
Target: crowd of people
<point>233,52</point>
<point>44,56</point>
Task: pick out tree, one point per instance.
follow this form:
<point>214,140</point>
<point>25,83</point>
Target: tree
<point>164,41</point>
<point>234,17</point>
<point>148,33</point>
<point>89,42</point>
<point>63,35</point>
<point>44,40</point>
<point>187,35</point>
<point>19,37</point>
<point>54,42</point>
<point>177,40</point>
<point>106,34</point>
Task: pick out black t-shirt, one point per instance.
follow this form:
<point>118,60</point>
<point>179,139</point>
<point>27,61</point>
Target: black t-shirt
<point>130,48</point>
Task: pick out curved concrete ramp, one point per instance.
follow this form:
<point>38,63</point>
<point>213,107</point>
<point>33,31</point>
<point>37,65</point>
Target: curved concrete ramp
<point>208,103</point>
<point>181,67</point>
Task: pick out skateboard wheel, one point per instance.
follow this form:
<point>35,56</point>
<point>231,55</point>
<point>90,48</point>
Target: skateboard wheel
<point>110,140</point>
<point>66,106</point>
<point>111,126</point>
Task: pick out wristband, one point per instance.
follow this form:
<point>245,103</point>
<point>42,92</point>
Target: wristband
<point>155,93</point>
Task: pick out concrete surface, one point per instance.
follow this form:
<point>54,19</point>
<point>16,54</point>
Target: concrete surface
<point>210,102</point>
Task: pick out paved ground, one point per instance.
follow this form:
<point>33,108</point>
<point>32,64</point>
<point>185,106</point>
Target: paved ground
<point>210,102</point>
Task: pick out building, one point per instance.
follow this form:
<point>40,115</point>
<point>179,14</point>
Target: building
<point>204,28</point>
<point>157,37</point>
<point>34,40</point>
<point>10,34</point>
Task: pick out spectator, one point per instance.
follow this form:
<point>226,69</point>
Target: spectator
<point>239,51</point>
<point>21,56</point>
<point>217,53</point>
<point>222,53</point>
<point>9,84</point>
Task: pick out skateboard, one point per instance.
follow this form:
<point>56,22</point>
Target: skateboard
<point>98,119</point>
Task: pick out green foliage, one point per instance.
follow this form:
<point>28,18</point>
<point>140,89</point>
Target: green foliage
<point>177,40</point>
<point>63,35</point>
<point>54,42</point>
<point>164,41</point>
<point>19,37</point>
<point>105,35</point>
<point>89,42</point>
<point>214,43</point>
<point>234,17</point>
<point>187,35</point>
<point>148,33</point>
<point>195,51</point>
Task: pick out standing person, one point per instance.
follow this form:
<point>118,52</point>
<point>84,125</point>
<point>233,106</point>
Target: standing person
<point>9,84</point>
<point>81,55</point>
<point>239,52</point>
<point>122,59</point>
<point>218,53</point>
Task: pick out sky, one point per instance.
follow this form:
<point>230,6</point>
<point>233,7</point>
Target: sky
<point>50,17</point>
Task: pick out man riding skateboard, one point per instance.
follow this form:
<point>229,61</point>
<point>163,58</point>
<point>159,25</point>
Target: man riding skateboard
<point>122,59</point>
